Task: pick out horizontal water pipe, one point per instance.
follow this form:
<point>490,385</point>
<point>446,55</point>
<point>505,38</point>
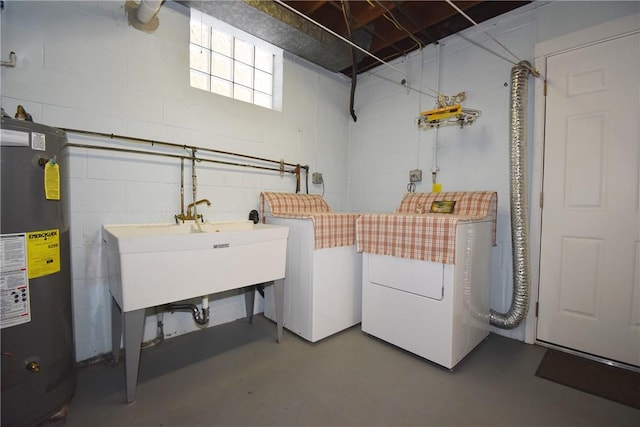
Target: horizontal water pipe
<point>178,156</point>
<point>153,142</point>
<point>208,151</point>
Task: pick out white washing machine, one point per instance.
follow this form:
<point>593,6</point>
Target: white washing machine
<point>323,293</point>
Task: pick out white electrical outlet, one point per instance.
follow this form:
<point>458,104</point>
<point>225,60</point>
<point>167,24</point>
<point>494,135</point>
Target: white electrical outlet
<point>316,178</point>
<point>415,175</point>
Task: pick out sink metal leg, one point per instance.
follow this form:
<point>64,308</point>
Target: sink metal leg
<point>133,328</point>
<point>278,287</point>
<point>116,330</point>
<point>249,301</point>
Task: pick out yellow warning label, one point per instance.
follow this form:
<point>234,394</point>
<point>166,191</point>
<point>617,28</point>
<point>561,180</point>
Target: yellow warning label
<point>43,252</point>
<point>52,181</point>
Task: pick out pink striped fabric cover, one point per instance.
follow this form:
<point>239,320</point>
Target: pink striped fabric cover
<point>414,233</point>
<point>330,229</point>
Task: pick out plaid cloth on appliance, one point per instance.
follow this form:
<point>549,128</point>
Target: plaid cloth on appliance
<point>422,236</point>
<point>292,203</point>
<point>330,229</point>
<point>476,203</point>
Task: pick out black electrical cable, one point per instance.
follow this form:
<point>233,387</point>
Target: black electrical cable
<point>346,11</point>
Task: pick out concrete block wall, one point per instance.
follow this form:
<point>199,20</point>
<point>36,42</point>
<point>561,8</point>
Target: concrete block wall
<point>82,66</point>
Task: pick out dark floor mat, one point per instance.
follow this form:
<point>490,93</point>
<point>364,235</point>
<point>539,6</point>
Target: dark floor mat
<point>610,382</point>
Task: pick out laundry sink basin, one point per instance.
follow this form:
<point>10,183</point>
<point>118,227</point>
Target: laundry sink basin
<point>155,264</point>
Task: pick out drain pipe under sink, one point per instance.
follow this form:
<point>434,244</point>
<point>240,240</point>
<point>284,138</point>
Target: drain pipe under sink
<point>200,317</point>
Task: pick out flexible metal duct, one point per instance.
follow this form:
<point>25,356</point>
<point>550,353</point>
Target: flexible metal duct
<point>518,188</point>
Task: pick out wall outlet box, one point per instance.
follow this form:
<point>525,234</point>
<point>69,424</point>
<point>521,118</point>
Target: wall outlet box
<point>316,178</point>
<point>415,175</point>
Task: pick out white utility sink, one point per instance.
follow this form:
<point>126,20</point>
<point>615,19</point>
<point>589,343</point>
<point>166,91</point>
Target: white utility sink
<point>156,264</point>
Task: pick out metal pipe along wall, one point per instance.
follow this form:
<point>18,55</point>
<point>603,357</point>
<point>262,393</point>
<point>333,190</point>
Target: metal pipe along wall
<point>518,189</point>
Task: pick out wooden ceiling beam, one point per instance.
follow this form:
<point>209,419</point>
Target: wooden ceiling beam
<point>440,11</point>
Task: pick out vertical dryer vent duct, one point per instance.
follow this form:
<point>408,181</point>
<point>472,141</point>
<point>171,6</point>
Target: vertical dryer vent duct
<point>518,189</point>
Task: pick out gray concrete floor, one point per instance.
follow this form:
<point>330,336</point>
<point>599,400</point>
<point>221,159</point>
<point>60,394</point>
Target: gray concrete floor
<point>237,375</point>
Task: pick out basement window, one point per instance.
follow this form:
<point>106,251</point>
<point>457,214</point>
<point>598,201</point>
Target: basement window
<point>227,61</point>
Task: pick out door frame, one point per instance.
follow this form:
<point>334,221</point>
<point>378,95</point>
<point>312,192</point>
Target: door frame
<point>596,34</point>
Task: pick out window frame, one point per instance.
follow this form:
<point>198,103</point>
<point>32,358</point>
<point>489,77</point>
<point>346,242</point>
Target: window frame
<point>210,24</point>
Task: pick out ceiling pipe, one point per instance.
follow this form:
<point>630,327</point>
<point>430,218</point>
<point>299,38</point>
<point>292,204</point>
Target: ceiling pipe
<point>147,9</point>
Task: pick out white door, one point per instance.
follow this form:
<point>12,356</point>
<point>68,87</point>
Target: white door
<point>589,294</point>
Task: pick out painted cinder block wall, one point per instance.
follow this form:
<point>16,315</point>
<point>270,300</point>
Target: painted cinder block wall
<point>81,66</point>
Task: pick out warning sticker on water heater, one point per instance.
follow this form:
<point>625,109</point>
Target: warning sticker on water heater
<point>52,181</point>
<point>38,141</point>
<point>15,307</point>
<point>43,251</point>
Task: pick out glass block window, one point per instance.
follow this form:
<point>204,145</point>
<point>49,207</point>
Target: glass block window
<point>229,62</point>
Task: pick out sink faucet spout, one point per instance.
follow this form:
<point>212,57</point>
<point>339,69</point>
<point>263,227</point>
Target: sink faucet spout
<point>194,204</point>
<point>192,211</point>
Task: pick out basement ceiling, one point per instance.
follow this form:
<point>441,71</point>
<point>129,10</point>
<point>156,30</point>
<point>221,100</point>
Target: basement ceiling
<point>386,29</point>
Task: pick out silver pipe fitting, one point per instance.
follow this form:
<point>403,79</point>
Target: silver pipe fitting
<point>201,318</point>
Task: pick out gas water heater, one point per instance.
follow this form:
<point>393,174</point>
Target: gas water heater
<point>38,363</point>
